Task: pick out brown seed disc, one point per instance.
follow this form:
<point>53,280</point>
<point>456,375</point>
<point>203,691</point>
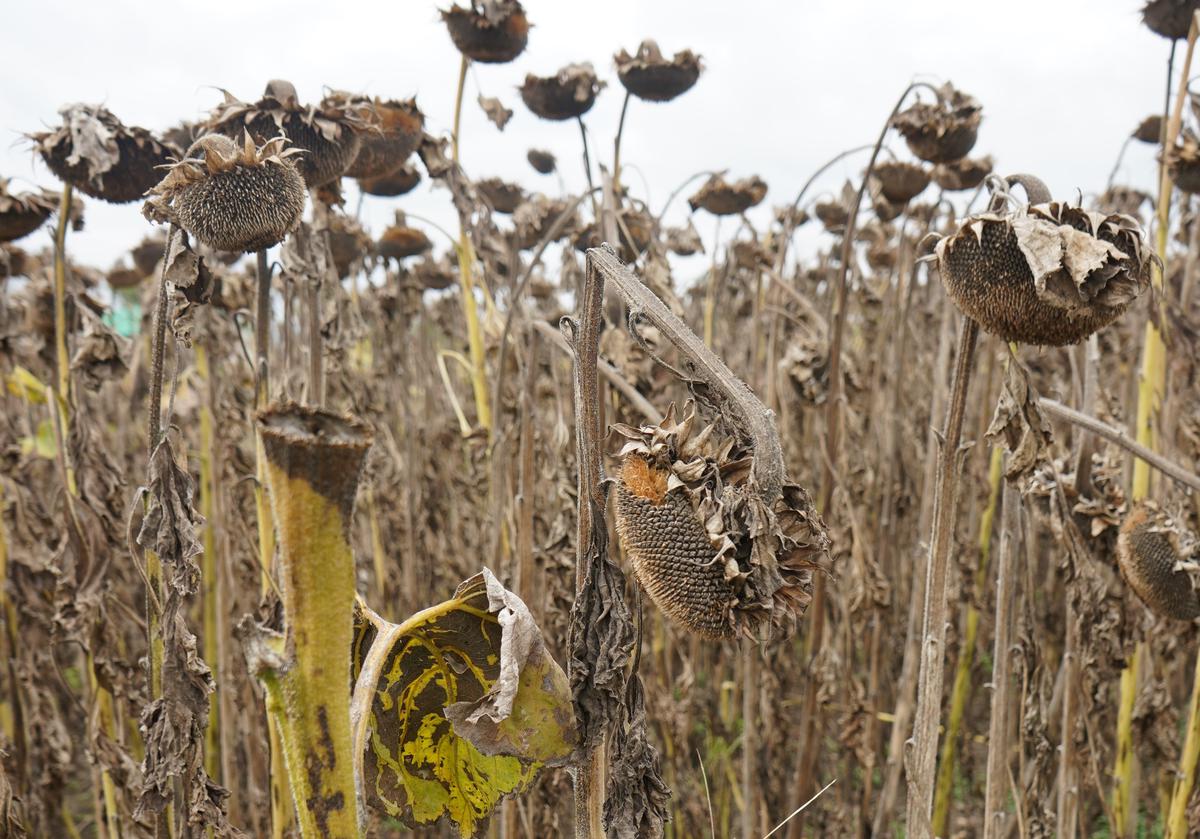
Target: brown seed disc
<point>18,223</point>
<point>954,144</point>
<point>1147,558</point>
<point>483,40</point>
<point>245,209</point>
<point>670,551</point>
<point>135,172</point>
<point>399,182</point>
<point>989,280</point>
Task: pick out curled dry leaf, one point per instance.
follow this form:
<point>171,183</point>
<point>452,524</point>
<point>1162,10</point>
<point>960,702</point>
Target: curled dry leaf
<point>98,356</point>
<point>1019,419</point>
<point>456,708</point>
<point>495,110</point>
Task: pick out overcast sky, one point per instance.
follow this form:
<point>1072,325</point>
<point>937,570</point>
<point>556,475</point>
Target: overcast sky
<point>787,85</point>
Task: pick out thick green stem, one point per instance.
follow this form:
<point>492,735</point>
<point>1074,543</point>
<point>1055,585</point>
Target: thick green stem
<point>313,463</point>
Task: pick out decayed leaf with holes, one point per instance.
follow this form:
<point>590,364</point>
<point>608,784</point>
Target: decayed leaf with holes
<point>1020,420</point>
<point>457,707</point>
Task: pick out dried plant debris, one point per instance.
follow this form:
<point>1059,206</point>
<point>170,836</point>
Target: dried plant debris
<point>543,162</point>
<point>329,134</point>
<point>399,182</point>
<point>1169,18</point>
<point>503,196</point>
<point>1183,162</point>
<point>1047,274</point>
<point>23,213</point>
<point>232,198</point>
<point>399,241</point>
<point>900,182</point>
<point>706,548</point>
<point>534,220</point>
<point>1124,200</point>
<point>495,111</point>
<point>649,75</point>
<point>394,128</point>
<point>489,31</point>
<point>568,94</point>
<point>100,156</point>
<point>729,198</point>
<point>942,131</point>
<point>964,173</point>
<point>1158,559</point>
<point>1020,421</point>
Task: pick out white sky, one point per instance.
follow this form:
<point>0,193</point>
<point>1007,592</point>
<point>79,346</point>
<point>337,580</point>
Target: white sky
<point>787,85</point>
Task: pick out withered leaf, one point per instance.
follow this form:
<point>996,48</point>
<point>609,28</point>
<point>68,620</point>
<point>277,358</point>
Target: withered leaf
<point>495,110</point>
<point>1020,421</point>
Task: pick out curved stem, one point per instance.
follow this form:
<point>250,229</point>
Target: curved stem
<point>617,145</point>
<point>788,227</point>
<point>1112,176</point>
<point>458,101</point>
<point>587,165</point>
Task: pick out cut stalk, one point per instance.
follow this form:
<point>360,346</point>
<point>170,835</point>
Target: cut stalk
<point>313,462</point>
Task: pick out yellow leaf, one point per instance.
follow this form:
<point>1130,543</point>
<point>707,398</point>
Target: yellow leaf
<point>481,655</point>
<point>24,384</point>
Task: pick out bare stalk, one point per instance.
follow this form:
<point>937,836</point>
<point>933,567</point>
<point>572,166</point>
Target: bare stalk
<point>617,144</point>
<point>996,791</point>
<point>929,680</point>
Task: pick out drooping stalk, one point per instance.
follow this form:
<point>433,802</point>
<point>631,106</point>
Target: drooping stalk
<point>933,634</point>
<point>313,461</point>
<point>616,176</point>
<point>966,653</point>
<point>466,274</point>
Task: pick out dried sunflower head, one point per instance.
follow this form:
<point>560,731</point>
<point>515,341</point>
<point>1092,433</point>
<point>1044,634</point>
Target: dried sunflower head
<point>1149,130</point>
<point>232,199</point>
<point>490,31</point>
<point>885,211</point>
<point>98,155</point>
<point>942,131</point>
<point>436,274</point>
<point>533,220</point>
<point>1169,18</point>
<point>964,173</point>
<point>900,182</point>
<point>543,162</point>
<point>567,94</point>
<point>635,229</point>
<point>399,241</point>
<point>649,75</point>
<point>328,134</point>
<point>503,196</point>
<point>1123,199</point>
<point>710,552</point>
<point>684,241</point>
<point>1151,547</point>
<point>725,198</point>
<point>1047,273</point>
<point>394,132</point>
<point>834,215</point>
<point>1183,163</point>
<point>400,182</point>
<point>21,214</point>
<point>348,243</point>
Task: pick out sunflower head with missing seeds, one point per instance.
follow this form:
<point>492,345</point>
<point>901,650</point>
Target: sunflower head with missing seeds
<point>706,543</point>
